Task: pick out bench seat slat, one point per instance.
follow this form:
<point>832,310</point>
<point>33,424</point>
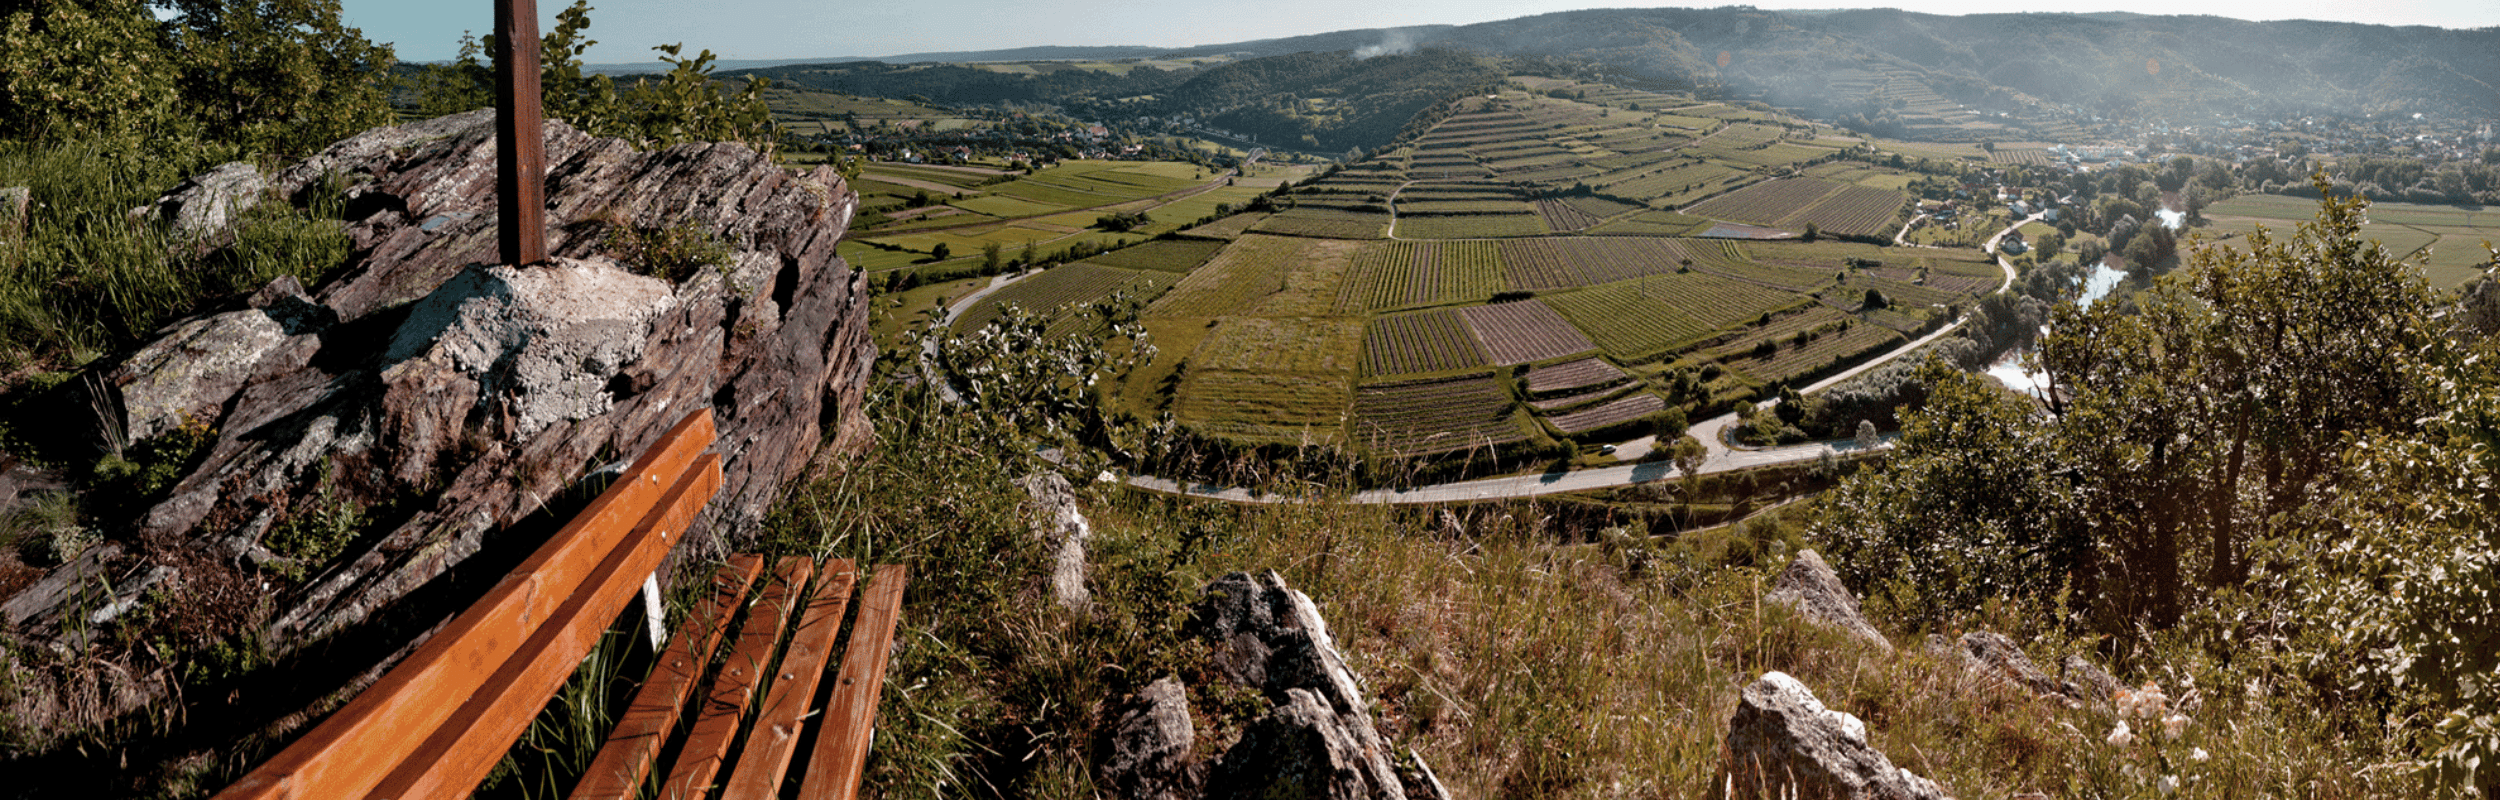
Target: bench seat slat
<point>716,728</point>
<point>850,716</point>
<point>775,735</point>
<point>626,759</point>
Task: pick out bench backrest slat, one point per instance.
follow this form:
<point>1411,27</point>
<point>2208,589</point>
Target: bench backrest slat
<point>457,757</point>
<point>774,737</point>
<point>355,748</point>
<point>622,764</point>
<point>716,729</point>
<point>850,716</point>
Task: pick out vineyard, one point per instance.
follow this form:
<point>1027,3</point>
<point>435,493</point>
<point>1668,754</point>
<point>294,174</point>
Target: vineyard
<point>1523,331</point>
<point>1420,342</point>
<point>1269,344</point>
<point>1561,216</point>
<point>1472,226</point>
<point>1817,356</point>
<point>1262,407</point>
<point>1169,255</point>
<point>1325,223</point>
<point>1074,284</point>
<point>1236,278</point>
<point>1573,375</point>
<point>1765,203</point>
<point>1440,416</point>
<point>1716,301</point>
<point>1853,211</point>
<point>1632,407</point>
<point>1627,324</point>
<point>1390,275</point>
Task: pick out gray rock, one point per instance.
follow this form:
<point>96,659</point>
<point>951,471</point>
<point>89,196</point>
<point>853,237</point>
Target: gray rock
<point>1266,635</point>
<point>211,201</point>
<point>1809,586</point>
<point>1782,743</point>
<point>1051,511</point>
<point>1303,749</point>
<point>2088,681</point>
<point>16,204</point>
<point>1997,657</point>
<point>1149,758</point>
<point>545,340</point>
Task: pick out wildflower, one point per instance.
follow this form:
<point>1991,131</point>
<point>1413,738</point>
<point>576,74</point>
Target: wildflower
<point>2121,736</point>
<point>2169,784</point>
<point>2150,702</point>
<point>2172,725</point>
<point>2198,755</point>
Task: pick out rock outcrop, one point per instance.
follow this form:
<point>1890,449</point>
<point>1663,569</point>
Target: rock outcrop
<point>1991,654</point>
<point>1316,740</point>
<point>1050,509</point>
<point>1809,586</point>
<point>440,398</point>
<point>1150,748</point>
<point>1783,743</point>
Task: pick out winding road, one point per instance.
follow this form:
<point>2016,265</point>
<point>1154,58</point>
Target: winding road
<point>1723,456</point>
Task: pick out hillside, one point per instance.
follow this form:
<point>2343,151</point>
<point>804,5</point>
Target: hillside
<point>1925,76</point>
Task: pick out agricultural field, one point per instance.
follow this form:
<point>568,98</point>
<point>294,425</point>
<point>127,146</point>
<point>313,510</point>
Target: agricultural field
<point>2447,239</point>
<point>1572,376</point>
<point>1522,331</point>
<point>1614,412</point>
<point>1421,342</point>
<point>1390,275</point>
<point>1054,291</point>
<point>1574,239</point>
<point>1436,416</point>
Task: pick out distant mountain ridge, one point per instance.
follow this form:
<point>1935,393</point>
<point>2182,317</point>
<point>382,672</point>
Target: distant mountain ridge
<point>1831,62</point>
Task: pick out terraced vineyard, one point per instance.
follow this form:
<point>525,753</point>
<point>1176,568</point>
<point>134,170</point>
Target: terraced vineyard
<point>1438,416</point>
<point>1424,341</point>
<point>1531,232</point>
<point>1072,285</point>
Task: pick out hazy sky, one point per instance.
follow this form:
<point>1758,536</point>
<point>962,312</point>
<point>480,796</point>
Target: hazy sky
<point>771,29</point>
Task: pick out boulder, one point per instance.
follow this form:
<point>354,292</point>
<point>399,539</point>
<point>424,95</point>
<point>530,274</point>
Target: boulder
<point>1782,743</point>
<point>1303,749</point>
<point>1809,586</point>
<point>1050,508</point>
<point>1993,655</point>
<point>445,400</point>
<point>1150,746</point>
<point>2088,681</point>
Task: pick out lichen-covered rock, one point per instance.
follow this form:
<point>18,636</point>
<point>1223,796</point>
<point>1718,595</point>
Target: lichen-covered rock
<point>1268,636</point>
<point>1809,586</point>
<point>2088,680</point>
<point>1051,510</point>
<point>210,201</point>
<point>1149,758</point>
<point>1783,743</point>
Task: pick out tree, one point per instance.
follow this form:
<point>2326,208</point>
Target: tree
<point>993,259</point>
<point>938,252</point>
<point>117,83</point>
<point>1867,438</point>
<point>682,105</point>
<point>1875,301</point>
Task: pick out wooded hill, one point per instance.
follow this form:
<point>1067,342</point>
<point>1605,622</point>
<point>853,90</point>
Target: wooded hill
<point>1892,72</point>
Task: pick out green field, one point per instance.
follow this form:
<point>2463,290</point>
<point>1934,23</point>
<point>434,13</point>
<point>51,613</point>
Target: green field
<point>2447,240</point>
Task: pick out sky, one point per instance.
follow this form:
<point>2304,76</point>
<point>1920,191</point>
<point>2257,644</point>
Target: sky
<point>780,29</point>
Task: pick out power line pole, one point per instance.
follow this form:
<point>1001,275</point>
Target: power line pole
<point>520,146</point>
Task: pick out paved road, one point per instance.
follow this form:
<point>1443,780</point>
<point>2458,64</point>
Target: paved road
<point>1724,456</point>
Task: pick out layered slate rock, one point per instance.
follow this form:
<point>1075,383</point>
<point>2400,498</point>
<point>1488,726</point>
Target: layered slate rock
<point>1809,586</point>
<point>1783,743</point>
<point>1149,756</point>
<point>444,398</point>
<point>1318,740</point>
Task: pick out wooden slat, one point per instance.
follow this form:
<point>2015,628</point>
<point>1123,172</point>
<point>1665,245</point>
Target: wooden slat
<point>452,761</point>
<point>775,735</point>
<point>851,716</point>
<point>617,772</point>
<point>349,753</point>
<point>707,747</point>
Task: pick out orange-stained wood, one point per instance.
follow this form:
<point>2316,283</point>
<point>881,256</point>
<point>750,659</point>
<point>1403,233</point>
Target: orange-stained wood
<point>851,715</point>
<point>716,728</point>
<point>775,736</point>
<point>457,756</point>
<point>351,752</point>
<point>626,759</point>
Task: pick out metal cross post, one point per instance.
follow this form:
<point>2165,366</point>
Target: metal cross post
<point>520,146</point>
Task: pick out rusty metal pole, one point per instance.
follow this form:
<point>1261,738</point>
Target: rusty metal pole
<point>520,146</point>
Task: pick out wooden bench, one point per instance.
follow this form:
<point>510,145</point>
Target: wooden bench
<point>440,721</point>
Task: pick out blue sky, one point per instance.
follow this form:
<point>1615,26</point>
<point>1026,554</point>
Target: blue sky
<point>773,29</point>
